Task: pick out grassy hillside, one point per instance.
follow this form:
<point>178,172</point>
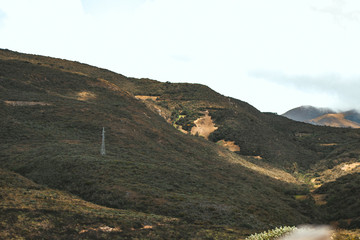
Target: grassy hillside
<point>52,112</point>
<point>31,211</point>
<point>342,200</point>
<point>51,121</point>
<point>276,139</point>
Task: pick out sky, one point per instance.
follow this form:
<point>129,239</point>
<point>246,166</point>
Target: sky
<point>275,55</point>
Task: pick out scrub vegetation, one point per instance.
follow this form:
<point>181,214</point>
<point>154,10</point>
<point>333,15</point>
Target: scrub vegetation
<point>154,181</point>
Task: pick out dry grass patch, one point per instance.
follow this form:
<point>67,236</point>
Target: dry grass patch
<point>26,103</point>
<point>84,96</point>
<point>143,97</point>
<point>229,145</point>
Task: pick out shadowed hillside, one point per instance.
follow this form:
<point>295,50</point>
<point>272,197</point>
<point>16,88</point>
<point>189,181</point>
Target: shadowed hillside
<point>341,200</point>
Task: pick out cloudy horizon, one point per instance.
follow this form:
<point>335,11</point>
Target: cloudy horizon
<point>276,55</point>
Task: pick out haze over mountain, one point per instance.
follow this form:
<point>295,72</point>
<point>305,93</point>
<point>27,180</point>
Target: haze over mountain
<point>182,161</point>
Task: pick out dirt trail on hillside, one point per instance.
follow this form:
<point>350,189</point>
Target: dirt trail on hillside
<point>204,126</point>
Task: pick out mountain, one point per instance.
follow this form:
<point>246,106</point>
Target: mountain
<point>306,113</point>
<point>167,172</point>
<point>324,117</point>
<point>352,115</point>
<point>334,120</point>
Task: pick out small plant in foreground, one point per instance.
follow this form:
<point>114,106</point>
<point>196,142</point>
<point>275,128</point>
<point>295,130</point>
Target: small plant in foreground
<point>272,234</point>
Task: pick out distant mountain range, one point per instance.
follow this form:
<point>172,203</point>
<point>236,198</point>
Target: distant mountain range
<point>324,116</point>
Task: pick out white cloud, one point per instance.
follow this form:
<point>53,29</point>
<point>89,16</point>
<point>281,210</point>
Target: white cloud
<point>330,90</point>
<point>2,16</point>
<point>220,43</point>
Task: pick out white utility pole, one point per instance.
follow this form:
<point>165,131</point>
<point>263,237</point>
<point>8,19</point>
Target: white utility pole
<point>102,151</point>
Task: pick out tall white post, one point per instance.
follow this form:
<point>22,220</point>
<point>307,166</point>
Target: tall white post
<point>102,151</point>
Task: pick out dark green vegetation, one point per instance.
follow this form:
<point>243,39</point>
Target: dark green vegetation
<point>342,198</point>
<point>51,115</point>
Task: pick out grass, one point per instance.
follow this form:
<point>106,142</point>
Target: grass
<point>342,201</point>
<point>29,210</point>
<point>151,169</point>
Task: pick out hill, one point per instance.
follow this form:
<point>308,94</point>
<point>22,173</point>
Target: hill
<point>51,121</point>
<point>306,113</point>
<point>273,138</point>
<point>334,120</point>
<point>32,211</point>
<point>52,112</point>
<point>324,117</point>
<point>341,197</point>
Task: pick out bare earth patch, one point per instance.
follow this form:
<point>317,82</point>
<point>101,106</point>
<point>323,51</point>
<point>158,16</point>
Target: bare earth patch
<point>106,84</point>
<point>349,167</point>
<point>204,126</point>
<point>110,229</point>
<point>143,97</point>
<point>319,199</point>
<point>26,103</point>
<point>316,182</point>
<point>328,144</point>
<point>102,229</point>
<point>181,129</point>
<point>229,145</point>
<point>84,96</point>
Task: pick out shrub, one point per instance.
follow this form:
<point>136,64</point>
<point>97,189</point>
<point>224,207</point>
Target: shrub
<point>272,234</point>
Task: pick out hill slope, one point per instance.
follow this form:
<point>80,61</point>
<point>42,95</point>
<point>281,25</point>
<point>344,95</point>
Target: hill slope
<point>51,121</point>
<point>31,211</point>
<point>274,138</point>
<point>52,112</point>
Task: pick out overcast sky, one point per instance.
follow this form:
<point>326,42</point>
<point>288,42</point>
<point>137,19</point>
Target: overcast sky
<point>273,54</point>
